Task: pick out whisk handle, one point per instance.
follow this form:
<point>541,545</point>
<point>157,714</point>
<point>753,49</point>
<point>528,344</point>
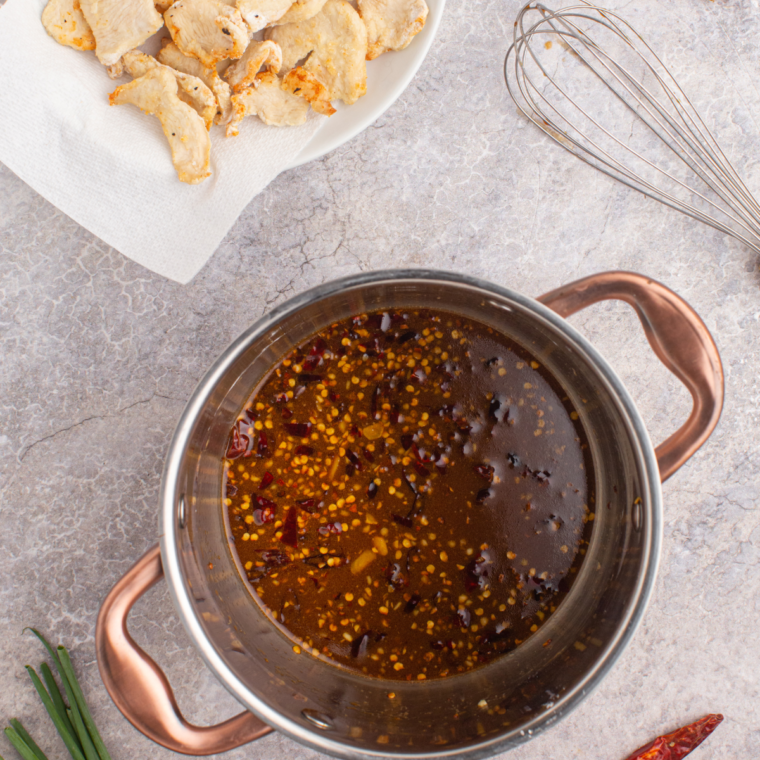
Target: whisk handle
<point>679,338</point>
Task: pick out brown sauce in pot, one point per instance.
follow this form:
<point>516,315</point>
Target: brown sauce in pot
<point>409,494</point>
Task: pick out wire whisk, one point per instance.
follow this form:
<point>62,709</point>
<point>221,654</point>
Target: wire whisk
<point>607,56</point>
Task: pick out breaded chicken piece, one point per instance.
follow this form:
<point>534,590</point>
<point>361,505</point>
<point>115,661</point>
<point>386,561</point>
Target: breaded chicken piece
<point>304,84</point>
<point>242,72</point>
<point>209,30</point>
<point>65,23</point>
<point>391,24</point>
<point>171,55</point>
<point>156,93</point>
<point>335,41</point>
<point>267,100</point>
<point>191,89</point>
<point>120,25</point>
<point>261,13</point>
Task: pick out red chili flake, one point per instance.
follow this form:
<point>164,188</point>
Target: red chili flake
<point>274,557</point>
<point>262,448</point>
<point>424,472</point>
<point>315,355</point>
<point>420,454</point>
<point>290,528</point>
<point>230,490</point>
<point>250,415</point>
<point>420,375</point>
<point>485,471</point>
<point>354,459</point>
<point>334,397</point>
<point>407,440</point>
<point>238,444</point>
<point>372,490</point>
<point>680,743</point>
<point>286,413</point>
<point>401,520</point>
<point>475,573</point>
<point>331,529</point>
<point>304,450</point>
<point>319,347</point>
<point>267,480</point>
<point>308,505</point>
<point>462,617</point>
<point>263,516</point>
<point>482,495</point>
<point>306,378</point>
<point>355,432</point>
<point>395,414</point>
<point>373,402</point>
<point>368,455</point>
<point>404,337</point>
<point>396,577</point>
<point>411,605</point>
<point>298,429</point>
<point>265,503</point>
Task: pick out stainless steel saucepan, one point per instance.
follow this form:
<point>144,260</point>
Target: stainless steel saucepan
<point>471,715</point>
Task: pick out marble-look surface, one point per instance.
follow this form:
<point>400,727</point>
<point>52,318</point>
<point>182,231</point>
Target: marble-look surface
<point>98,357</point>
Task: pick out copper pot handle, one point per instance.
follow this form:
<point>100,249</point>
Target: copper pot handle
<point>680,340</point>
<point>139,687</point>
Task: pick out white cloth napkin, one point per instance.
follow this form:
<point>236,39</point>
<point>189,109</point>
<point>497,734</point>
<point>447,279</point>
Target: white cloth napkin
<point>109,167</point>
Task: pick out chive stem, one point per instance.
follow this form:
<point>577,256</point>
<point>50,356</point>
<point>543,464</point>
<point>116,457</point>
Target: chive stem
<point>55,694</point>
<point>24,734</point>
<point>20,745</point>
<point>94,734</point>
<point>68,740</point>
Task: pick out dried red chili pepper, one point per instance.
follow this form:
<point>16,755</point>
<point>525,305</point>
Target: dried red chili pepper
<point>680,743</point>
<point>266,480</point>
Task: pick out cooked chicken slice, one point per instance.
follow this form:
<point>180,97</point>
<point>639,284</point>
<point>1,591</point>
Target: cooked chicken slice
<point>65,23</point>
<point>307,86</point>
<point>300,11</point>
<point>335,41</point>
<point>172,56</point>
<point>261,13</point>
<point>242,73</point>
<point>267,100</point>
<point>391,24</point>
<point>156,94</point>
<point>208,30</point>
<point>115,70</point>
<point>191,89</point>
<point>120,25</point>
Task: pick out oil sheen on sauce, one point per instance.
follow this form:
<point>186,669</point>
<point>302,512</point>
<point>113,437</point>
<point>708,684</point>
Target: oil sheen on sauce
<point>409,494</point>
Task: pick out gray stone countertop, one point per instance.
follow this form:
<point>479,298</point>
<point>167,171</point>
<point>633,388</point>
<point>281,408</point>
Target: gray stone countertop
<point>98,357</point>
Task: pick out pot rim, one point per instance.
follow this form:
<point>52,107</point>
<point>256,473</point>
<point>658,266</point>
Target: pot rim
<point>170,494</point>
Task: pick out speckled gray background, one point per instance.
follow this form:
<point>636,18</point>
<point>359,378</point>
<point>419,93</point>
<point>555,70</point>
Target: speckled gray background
<point>98,357</point>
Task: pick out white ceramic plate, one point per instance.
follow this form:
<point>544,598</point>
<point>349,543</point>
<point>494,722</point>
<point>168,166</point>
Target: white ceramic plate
<point>387,77</point>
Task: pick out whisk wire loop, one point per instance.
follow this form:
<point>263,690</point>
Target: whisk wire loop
<point>726,203</point>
